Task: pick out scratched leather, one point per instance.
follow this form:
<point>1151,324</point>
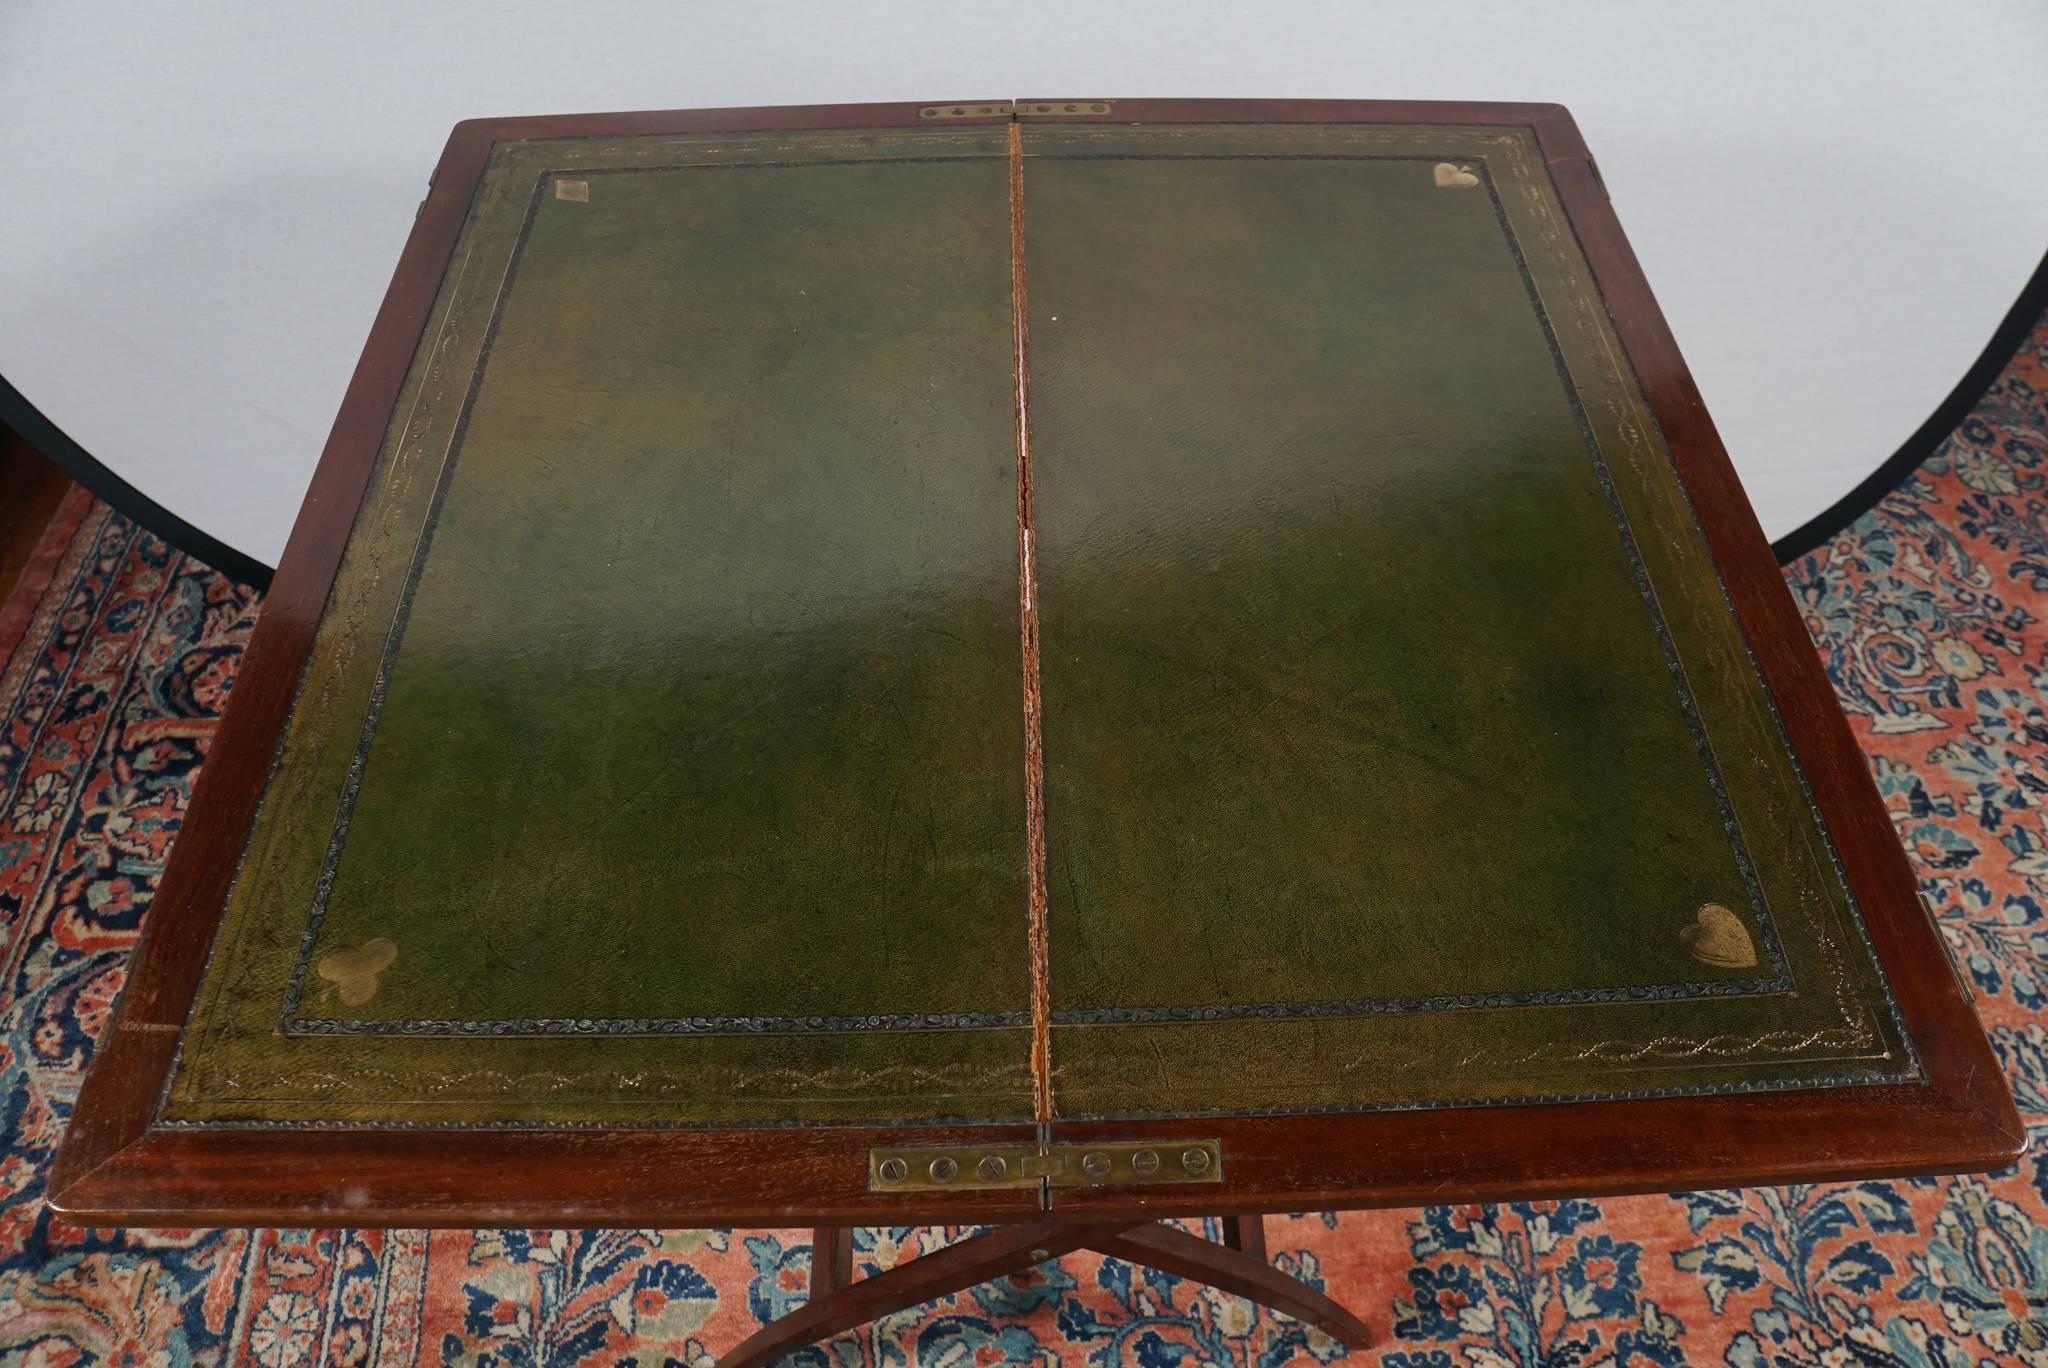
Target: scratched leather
<point>705,704</point>
<point>1369,779</point>
<point>710,679</point>
<point>1355,713</point>
<point>1347,679</point>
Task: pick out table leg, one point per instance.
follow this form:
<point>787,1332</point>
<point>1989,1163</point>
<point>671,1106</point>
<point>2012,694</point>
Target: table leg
<point>1177,1252</point>
<point>992,1254</point>
<point>831,1259</point>
<point>1247,1235</point>
<point>838,1303</point>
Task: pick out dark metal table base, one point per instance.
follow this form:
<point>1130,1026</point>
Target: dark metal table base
<point>838,1303</point>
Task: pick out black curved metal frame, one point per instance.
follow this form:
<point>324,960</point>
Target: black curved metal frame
<point>74,460</point>
<point>2011,333</point>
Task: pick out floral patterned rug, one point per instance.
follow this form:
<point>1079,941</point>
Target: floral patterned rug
<point>1932,616</point>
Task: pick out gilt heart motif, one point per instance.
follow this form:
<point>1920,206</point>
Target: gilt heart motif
<point>1718,937</point>
<point>1449,176</point>
<point>354,972</point>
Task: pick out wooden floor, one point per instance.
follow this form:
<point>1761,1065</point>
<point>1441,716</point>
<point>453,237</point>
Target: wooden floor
<point>30,490</point>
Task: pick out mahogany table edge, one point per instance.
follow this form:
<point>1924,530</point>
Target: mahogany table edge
<point>117,1168</point>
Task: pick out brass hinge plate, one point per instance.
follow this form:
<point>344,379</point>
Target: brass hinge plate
<point>1015,109</point>
<point>973,1168</point>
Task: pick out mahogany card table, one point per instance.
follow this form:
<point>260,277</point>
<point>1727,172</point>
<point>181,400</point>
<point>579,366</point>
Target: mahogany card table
<point>1038,664</point>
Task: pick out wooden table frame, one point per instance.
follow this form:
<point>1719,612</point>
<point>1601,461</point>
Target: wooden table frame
<point>120,1166</point>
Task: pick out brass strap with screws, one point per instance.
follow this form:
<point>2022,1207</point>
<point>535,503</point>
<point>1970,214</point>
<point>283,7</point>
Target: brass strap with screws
<point>1015,109</point>
<point>976,1167</point>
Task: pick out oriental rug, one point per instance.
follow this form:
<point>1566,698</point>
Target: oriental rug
<point>1931,613</point>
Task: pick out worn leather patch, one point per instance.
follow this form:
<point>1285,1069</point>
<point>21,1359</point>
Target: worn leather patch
<point>662,756</point>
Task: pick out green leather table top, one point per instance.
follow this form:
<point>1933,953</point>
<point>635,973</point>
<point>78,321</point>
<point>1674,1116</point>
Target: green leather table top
<point>662,754</point>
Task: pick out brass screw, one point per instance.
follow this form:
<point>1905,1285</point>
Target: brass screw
<point>1095,1163</point>
<point>944,1169</point>
<point>1039,1256</point>
<point>894,1170</point>
<point>1145,1161</point>
<point>1195,1160</point>
<point>992,1167</point>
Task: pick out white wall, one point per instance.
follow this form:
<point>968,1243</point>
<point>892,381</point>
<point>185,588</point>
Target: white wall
<point>1836,202</point>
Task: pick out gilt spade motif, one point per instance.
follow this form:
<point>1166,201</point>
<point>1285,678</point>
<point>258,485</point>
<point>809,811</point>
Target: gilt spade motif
<point>354,972</point>
<point>1718,937</point>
